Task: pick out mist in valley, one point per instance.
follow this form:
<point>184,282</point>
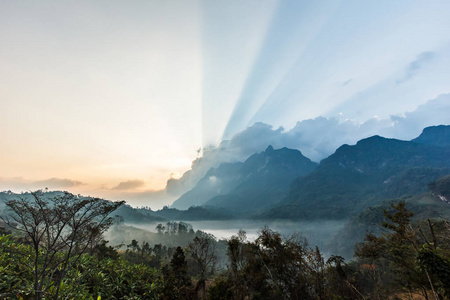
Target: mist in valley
<point>317,233</point>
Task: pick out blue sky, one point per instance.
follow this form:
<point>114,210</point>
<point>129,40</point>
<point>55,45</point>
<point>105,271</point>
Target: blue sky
<point>112,98</point>
<point>384,57</point>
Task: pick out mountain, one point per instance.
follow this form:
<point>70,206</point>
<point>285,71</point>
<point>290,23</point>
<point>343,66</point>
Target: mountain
<point>441,188</point>
<point>263,179</point>
<point>216,181</point>
<point>435,135</point>
<point>268,177</point>
<point>362,175</point>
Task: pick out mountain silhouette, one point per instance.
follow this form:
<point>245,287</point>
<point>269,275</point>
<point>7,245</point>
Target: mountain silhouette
<point>264,178</point>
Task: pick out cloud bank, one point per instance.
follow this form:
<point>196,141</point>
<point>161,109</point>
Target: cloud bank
<point>129,185</point>
<point>20,183</point>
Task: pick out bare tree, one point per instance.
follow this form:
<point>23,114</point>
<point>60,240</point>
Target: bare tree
<point>59,230</point>
<point>203,252</point>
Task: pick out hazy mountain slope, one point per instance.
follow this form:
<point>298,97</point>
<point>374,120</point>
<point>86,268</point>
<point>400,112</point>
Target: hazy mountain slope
<point>216,181</point>
<point>359,176</point>
<point>270,172</point>
<point>423,206</point>
<point>269,176</point>
<point>435,135</point>
<point>441,188</point>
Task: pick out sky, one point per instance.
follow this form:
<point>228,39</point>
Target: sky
<point>113,98</point>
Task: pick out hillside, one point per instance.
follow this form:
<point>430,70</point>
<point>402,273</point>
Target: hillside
<point>424,206</point>
<point>272,174</point>
<point>435,135</point>
<point>362,175</point>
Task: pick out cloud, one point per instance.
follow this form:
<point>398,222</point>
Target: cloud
<point>315,138</point>
<point>416,65</point>
<point>410,125</point>
<point>56,183</point>
<point>346,82</point>
<point>23,184</point>
<point>155,199</point>
<point>129,185</point>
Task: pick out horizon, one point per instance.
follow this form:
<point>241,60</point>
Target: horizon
<point>112,99</point>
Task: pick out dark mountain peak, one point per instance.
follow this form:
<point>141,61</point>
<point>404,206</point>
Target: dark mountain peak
<point>376,153</point>
<point>434,135</point>
<point>371,139</point>
<point>269,149</point>
<point>363,144</point>
<point>262,179</point>
<point>378,141</point>
<point>279,157</point>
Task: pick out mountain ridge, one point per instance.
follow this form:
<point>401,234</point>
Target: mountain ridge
<point>232,178</point>
<point>358,176</point>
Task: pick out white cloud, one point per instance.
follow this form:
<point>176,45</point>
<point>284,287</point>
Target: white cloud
<point>410,125</point>
<point>129,185</point>
<point>22,184</point>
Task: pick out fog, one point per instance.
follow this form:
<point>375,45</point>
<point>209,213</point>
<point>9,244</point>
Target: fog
<point>318,233</point>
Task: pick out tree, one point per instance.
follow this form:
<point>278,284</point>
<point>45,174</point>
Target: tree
<point>395,253</point>
<point>236,251</point>
<point>271,267</point>
<point>178,264</point>
<point>59,230</point>
<point>203,252</point>
<point>281,266</point>
<point>160,228</point>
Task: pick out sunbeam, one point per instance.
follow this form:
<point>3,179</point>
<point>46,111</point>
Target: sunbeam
<point>232,35</point>
<point>96,94</point>
<point>346,57</point>
<point>295,24</point>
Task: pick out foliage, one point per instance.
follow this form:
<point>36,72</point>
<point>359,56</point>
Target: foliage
<point>275,267</point>
<point>202,250</point>
<point>438,267</point>
<point>16,275</point>
<point>87,279</point>
<point>59,230</point>
<point>405,258</point>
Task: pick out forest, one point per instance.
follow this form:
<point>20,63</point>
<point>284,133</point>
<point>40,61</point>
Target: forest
<point>54,248</point>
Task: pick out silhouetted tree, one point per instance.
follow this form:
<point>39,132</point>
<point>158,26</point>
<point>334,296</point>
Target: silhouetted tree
<point>178,264</point>
<point>203,251</point>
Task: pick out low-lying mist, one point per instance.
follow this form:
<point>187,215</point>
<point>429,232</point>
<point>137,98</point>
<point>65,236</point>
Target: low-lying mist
<point>318,233</point>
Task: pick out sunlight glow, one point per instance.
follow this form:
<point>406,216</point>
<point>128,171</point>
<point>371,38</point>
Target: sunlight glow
<point>113,98</point>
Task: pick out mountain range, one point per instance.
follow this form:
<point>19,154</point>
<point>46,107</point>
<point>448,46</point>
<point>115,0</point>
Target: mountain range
<point>248,187</point>
<point>284,184</point>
